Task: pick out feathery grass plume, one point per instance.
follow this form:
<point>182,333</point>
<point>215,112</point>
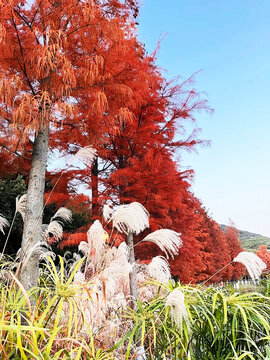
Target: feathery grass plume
<point>140,277</point>
<point>253,264</point>
<point>123,248</point>
<point>71,260</point>
<point>107,213</point>
<point>159,269</point>
<point>116,273</point>
<point>84,248</point>
<point>3,223</point>
<point>176,301</point>
<point>116,270</point>
<point>21,208</point>
<point>79,277</point>
<point>76,257</point>
<point>168,241</point>
<point>42,249</point>
<point>55,229</point>
<point>131,218</point>
<point>96,236</point>
<point>109,255</point>
<point>21,205</point>
<point>87,154</point>
<point>44,228</point>
<point>63,214</point>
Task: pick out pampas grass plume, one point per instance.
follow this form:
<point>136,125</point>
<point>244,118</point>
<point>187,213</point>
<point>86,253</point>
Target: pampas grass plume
<point>21,205</point>
<point>176,302</point>
<point>42,249</point>
<point>84,248</point>
<point>96,236</point>
<point>159,269</point>
<point>3,223</point>
<point>55,229</point>
<point>124,249</point>
<point>168,241</point>
<point>64,214</point>
<point>87,154</point>
<point>252,262</point>
<point>107,212</point>
<point>131,218</point>
<point>79,277</point>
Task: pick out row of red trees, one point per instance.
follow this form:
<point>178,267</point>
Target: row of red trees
<point>78,69</point>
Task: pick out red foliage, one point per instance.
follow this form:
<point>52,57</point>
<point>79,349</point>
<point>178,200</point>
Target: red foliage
<point>60,66</point>
<point>83,72</point>
<point>72,239</point>
<point>157,184</point>
<point>264,254</point>
<point>236,270</point>
<point>117,239</point>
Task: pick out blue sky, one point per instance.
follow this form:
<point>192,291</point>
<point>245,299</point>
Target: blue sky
<point>230,41</point>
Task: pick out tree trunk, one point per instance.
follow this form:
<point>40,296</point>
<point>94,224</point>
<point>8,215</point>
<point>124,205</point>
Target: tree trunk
<point>34,211</point>
<point>132,274</point>
<point>140,352</point>
<point>94,178</point>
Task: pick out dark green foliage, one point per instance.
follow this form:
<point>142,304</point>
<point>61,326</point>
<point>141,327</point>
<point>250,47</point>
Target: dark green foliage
<point>10,188</point>
<point>79,219</point>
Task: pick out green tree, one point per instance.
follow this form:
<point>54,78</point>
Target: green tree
<point>10,188</point>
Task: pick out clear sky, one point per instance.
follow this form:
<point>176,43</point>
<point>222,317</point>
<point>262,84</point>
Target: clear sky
<point>230,41</point>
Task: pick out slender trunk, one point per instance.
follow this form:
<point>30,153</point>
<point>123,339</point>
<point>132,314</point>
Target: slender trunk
<point>34,211</point>
<point>140,351</point>
<point>94,177</point>
<point>122,165</point>
<point>132,274</point>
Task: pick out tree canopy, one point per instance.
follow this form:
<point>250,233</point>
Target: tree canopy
<point>72,74</point>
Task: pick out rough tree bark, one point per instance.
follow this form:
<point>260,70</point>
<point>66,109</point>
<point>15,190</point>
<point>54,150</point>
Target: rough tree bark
<point>140,353</point>
<point>34,211</point>
<point>94,176</point>
<point>132,274</point>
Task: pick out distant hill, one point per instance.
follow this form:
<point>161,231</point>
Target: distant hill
<point>251,241</point>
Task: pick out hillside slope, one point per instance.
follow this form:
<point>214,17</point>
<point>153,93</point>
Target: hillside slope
<point>251,241</point>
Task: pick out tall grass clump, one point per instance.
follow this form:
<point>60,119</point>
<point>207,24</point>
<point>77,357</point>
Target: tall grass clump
<point>85,306</point>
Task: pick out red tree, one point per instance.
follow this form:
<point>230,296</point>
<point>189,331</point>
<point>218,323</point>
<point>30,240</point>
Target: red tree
<point>264,254</point>
<point>73,73</point>
<point>53,79</point>
<point>236,270</point>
